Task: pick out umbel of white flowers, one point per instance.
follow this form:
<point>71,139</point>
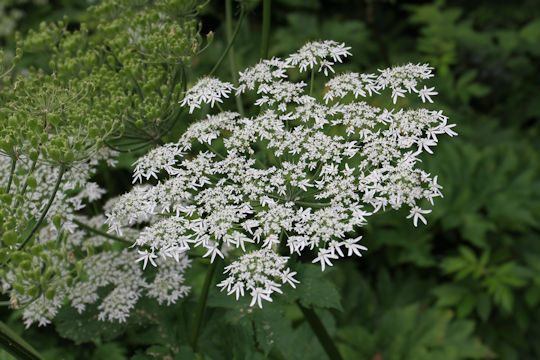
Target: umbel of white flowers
<point>303,173</point>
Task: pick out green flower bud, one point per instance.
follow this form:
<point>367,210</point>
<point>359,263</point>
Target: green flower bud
<point>57,221</point>
<point>33,291</point>
<point>36,249</point>
<point>9,238</point>
<point>31,181</point>
<point>18,288</point>
<point>51,291</point>
<point>26,265</point>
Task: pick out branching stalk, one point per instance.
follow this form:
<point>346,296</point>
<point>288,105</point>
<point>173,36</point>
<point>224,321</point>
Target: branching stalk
<point>11,173</point>
<point>47,207</point>
<point>232,59</point>
<point>311,82</point>
<point>236,30</point>
<point>202,304</point>
<point>101,233</point>
<point>15,345</point>
<point>320,331</point>
<point>265,29</point>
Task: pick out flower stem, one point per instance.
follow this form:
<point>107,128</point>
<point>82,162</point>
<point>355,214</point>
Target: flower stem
<point>25,186</point>
<point>320,331</point>
<point>232,59</point>
<point>101,233</point>
<point>11,172</point>
<point>15,345</point>
<point>47,207</point>
<point>202,304</point>
<point>265,28</point>
<point>311,82</point>
<point>222,57</point>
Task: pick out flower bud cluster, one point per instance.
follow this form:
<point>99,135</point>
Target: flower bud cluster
<point>111,84</point>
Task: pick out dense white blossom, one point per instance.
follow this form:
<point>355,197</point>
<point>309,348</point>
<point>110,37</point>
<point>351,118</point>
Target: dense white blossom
<point>207,90</point>
<point>259,274</point>
<point>319,53</point>
<point>301,175</point>
<point>113,270</point>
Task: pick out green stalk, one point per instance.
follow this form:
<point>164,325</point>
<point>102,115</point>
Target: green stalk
<point>25,186</point>
<point>11,172</point>
<point>311,82</point>
<point>265,28</point>
<point>320,331</point>
<point>312,318</point>
<point>32,168</point>
<point>47,207</point>
<point>232,59</point>
<point>236,30</point>
<point>16,346</point>
<point>202,304</point>
<point>101,233</point>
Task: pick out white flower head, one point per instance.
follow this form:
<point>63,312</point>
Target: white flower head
<point>259,273</point>
<point>319,53</point>
<point>301,175</point>
<point>208,90</point>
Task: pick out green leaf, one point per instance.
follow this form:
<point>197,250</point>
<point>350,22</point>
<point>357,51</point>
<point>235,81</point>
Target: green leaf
<point>483,306</point>
<point>314,289</point>
<point>109,351</point>
<point>85,327</point>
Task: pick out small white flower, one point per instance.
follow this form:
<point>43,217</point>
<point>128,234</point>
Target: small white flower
<point>259,294</point>
<point>324,256</point>
<point>325,66</point>
<point>353,247</point>
<point>146,256</point>
<point>417,213</point>
<point>213,250</point>
<point>426,93</point>
<point>397,92</point>
<point>288,277</point>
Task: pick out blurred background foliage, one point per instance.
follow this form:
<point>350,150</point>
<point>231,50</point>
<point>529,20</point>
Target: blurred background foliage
<point>465,286</point>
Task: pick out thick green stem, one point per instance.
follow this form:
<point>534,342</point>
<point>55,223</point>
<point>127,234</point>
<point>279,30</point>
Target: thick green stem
<point>101,233</point>
<point>320,331</point>
<point>202,304</point>
<point>236,30</point>
<point>232,59</point>
<point>312,318</point>
<point>312,205</point>
<point>15,345</point>
<point>265,28</point>
<point>311,82</point>
<point>11,173</point>
<point>47,207</point>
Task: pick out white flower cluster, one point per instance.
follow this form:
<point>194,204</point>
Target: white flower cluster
<point>207,90</point>
<point>318,53</point>
<point>107,269</point>
<point>302,174</point>
<point>66,203</point>
<point>261,272</point>
<point>400,79</point>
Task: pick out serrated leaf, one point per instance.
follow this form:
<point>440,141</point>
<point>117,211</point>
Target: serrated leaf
<point>315,290</point>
